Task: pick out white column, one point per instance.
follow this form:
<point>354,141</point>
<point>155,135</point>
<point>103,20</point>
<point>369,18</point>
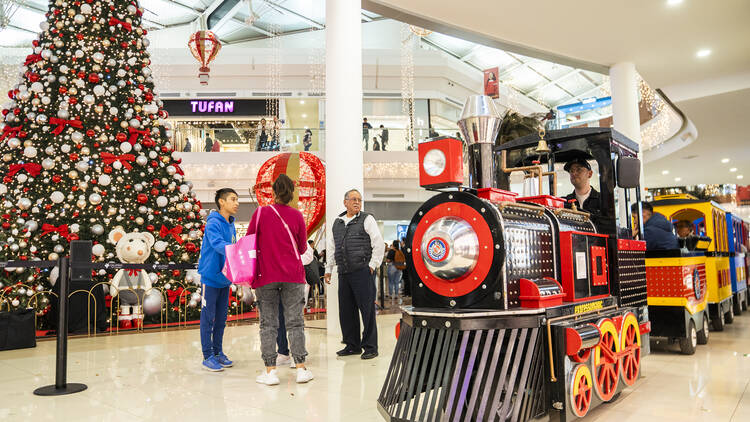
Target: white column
<point>343,124</point>
<point>623,81</point>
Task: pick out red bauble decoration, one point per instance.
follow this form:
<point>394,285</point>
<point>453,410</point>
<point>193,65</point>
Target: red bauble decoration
<point>90,133</point>
<point>190,247</point>
<point>141,198</point>
<point>121,137</point>
<point>169,253</point>
<point>308,174</point>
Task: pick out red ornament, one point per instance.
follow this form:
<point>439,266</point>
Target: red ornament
<point>90,133</point>
<point>311,183</point>
<point>190,247</point>
<point>121,137</point>
<point>107,169</point>
<point>169,253</point>
<point>56,178</point>
<point>141,198</point>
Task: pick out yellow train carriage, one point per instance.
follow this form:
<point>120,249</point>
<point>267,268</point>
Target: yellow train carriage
<point>707,219</point>
<point>677,297</point>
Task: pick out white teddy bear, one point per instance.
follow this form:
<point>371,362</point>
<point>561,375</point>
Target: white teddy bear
<point>131,248</point>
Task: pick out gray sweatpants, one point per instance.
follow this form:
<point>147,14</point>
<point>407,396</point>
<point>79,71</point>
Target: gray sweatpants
<point>292,297</point>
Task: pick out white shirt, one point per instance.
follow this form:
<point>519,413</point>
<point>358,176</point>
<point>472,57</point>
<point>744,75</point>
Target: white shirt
<point>376,242</point>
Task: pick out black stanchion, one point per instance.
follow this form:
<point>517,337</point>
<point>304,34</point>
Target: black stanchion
<point>382,286</point>
<point>61,385</point>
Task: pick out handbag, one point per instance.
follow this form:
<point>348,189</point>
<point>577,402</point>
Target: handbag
<point>399,260</point>
<point>17,330</point>
<point>241,265</point>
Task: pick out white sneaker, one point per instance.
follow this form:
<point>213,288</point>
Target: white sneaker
<point>282,360</point>
<point>269,378</point>
<point>292,364</point>
<point>303,375</point>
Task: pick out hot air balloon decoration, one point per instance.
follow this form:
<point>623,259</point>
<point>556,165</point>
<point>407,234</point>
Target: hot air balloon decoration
<point>205,46</point>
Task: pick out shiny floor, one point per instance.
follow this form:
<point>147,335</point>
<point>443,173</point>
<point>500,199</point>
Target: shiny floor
<point>156,376</point>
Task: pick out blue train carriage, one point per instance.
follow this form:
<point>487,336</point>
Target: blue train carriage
<point>522,309</point>
<point>737,237</point>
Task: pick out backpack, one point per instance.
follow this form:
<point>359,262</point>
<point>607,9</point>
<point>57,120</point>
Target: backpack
<point>399,260</point>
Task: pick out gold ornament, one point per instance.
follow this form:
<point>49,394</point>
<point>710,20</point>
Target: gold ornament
<point>7,157</point>
<point>137,108</point>
<point>73,174</point>
<point>99,109</point>
<point>28,143</point>
<point>73,90</point>
<point>59,25</point>
<point>124,124</point>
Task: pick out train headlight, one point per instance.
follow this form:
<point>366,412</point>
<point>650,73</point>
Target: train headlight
<point>434,162</point>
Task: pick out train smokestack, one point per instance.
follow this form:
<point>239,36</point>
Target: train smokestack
<point>479,124</point>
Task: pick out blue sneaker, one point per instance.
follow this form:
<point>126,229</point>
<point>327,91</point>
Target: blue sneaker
<point>223,360</point>
<point>212,364</point>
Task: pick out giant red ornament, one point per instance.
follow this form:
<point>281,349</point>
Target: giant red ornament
<point>309,177</point>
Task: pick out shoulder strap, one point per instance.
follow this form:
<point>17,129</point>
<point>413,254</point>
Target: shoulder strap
<point>289,232</point>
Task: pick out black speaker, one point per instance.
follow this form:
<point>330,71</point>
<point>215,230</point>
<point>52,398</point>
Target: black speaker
<point>80,253</point>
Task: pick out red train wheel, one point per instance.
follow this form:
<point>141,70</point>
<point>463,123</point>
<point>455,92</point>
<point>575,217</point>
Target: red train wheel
<point>580,391</point>
<point>630,344</point>
<point>606,362</point>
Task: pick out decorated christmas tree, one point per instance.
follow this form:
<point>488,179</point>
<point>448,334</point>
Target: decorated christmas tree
<point>85,149</point>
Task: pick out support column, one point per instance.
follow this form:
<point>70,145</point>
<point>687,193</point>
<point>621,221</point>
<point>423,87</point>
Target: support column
<point>343,124</point>
<point>623,81</point>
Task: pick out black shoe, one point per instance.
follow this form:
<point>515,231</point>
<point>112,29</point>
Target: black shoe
<point>369,355</point>
<point>347,352</point>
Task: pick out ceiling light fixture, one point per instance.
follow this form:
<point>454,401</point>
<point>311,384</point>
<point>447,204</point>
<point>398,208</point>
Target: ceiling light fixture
<point>725,160</point>
<point>304,116</point>
<point>673,2</point>
<point>733,169</point>
<point>301,101</point>
<point>677,179</point>
<point>665,172</point>
<point>739,176</point>
<point>703,53</point>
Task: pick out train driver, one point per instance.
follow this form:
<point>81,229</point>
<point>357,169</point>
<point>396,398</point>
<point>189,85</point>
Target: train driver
<point>586,196</point>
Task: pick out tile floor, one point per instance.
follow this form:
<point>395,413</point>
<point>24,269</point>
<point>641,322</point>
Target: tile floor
<point>156,376</point>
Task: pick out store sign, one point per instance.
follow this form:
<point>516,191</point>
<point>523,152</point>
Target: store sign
<point>216,107</point>
<point>212,106</point>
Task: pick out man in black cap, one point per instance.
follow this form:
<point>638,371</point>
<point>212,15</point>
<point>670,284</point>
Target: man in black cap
<point>587,198</point>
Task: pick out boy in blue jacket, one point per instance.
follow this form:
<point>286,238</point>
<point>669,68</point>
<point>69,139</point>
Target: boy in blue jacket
<point>219,233</point>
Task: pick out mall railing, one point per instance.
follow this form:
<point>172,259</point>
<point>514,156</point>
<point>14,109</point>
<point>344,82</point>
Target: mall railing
<point>294,139</point>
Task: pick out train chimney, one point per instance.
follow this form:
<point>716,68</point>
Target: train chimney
<point>479,124</point>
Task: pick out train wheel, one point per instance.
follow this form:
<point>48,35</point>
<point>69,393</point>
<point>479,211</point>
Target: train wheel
<point>580,391</point>
<point>689,343</point>
<point>606,364</point>
<point>746,301</point>
<point>703,334</point>
<point>718,322</point>
<point>630,345</point>
<point>729,316</point>
<point>737,306</point>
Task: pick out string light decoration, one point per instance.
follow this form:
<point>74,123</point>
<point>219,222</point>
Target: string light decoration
<point>656,130</point>
<point>408,44</point>
<point>85,148</point>
<point>274,71</point>
<point>420,32</point>
<point>8,8</point>
<point>317,64</point>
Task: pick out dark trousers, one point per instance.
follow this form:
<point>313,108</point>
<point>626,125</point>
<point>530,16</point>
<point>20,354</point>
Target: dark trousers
<point>213,319</point>
<point>357,296</point>
<point>282,343</point>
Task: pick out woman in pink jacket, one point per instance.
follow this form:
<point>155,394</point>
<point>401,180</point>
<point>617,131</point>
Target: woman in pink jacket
<point>281,238</point>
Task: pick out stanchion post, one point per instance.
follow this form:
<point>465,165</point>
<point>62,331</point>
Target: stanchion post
<point>61,385</point>
<point>382,286</point>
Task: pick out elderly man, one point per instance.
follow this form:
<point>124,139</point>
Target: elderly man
<point>580,177</point>
<point>356,248</point>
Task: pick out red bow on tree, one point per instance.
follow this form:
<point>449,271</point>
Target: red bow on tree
<point>174,294</point>
<point>134,135</point>
<point>32,168</point>
<point>114,21</point>
<point>61,124</point>
<point>32,58</point>
<point>175,232</point>
<point>124,159</point>
<point>10,131</point>
<point>49,228</point>
<point>177,167</point>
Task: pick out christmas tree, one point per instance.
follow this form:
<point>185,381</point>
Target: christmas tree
<point>85,149</point>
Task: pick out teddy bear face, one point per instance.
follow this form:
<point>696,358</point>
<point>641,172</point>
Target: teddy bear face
<point>132,247</point>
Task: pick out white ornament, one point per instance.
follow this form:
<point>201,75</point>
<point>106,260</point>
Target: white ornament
<point>82,166</point>
<point>105,180</point>
<point>37,87</point>
<point>160,246</point>
<point>57,197</point>
<point>95,199</point>
<point>125,147</point>
<point>99,90</point>
<point>98,249</point>
<point>162,201</point>
<point>86,9</point>
<point>75,227</point>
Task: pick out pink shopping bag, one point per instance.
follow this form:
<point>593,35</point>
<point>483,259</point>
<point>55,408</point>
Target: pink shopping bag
<point>241,265</point>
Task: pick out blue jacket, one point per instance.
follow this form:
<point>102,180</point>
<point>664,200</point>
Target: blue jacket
<point>219,233</point>
<point>658,233</point>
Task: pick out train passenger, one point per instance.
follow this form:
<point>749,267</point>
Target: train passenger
<point>684,228</point>
<point>580,177</point>
<point>657,230</point>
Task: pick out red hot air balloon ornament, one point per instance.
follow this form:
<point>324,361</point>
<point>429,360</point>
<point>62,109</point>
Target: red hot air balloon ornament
<point>309,177</point>
<point>205,46</point>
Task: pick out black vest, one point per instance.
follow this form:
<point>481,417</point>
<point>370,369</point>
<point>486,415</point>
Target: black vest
<point>353,248</point>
